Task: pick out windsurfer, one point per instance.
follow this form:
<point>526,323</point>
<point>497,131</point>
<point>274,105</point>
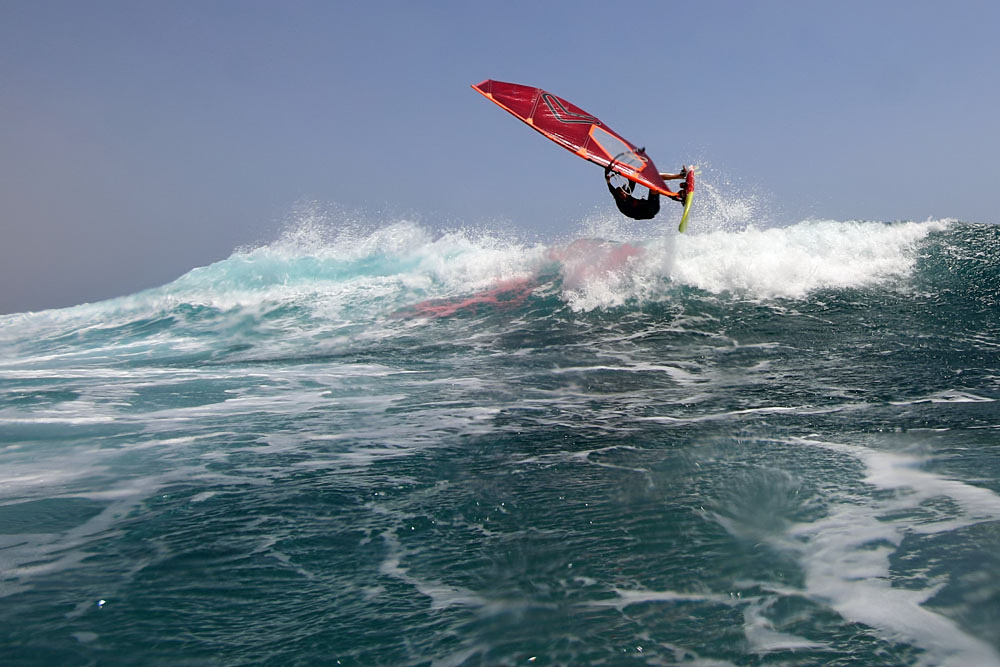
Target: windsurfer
<point>647,208</point>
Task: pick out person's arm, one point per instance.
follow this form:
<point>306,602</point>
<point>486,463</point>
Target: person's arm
<point>674,177</point>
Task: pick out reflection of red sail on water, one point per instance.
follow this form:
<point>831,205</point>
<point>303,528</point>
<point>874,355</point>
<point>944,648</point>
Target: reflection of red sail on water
<point>581,262</point>
<point>506,294</point>
<point>584,260</point>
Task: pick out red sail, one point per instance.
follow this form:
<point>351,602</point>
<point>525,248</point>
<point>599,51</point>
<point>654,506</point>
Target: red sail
<point>570,126</point>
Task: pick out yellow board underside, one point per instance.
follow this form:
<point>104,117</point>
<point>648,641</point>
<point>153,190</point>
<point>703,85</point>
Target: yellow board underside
<point>687,209</point>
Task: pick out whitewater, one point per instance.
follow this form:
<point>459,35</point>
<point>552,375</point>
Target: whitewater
<point>384,444</point>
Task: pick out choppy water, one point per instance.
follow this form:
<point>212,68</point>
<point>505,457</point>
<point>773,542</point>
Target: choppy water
<point>393,447</point>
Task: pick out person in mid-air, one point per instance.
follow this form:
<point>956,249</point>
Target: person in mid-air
<point>642,209</point>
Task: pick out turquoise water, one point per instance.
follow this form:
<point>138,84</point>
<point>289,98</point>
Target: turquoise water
<point>389,446</point>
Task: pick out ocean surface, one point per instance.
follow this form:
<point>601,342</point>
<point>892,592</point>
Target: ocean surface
<point>386,445</point>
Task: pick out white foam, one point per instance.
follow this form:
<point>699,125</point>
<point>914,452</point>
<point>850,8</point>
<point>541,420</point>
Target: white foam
<point>763,638</point>
<point>758,629</point>
<point>626,597</point>
<point>788,262</point>
<point>441,596</point>
<point>947,396</point>
<point>846,554</point>
<point>793,261</point>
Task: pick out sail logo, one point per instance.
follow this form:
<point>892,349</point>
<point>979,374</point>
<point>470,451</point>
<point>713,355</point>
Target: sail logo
<point>564,115</point>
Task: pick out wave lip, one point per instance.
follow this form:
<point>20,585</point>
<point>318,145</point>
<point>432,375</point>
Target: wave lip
<point>308,279</point>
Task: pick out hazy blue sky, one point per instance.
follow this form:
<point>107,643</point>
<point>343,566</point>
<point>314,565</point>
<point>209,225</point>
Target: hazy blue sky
<point>139,139</point>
